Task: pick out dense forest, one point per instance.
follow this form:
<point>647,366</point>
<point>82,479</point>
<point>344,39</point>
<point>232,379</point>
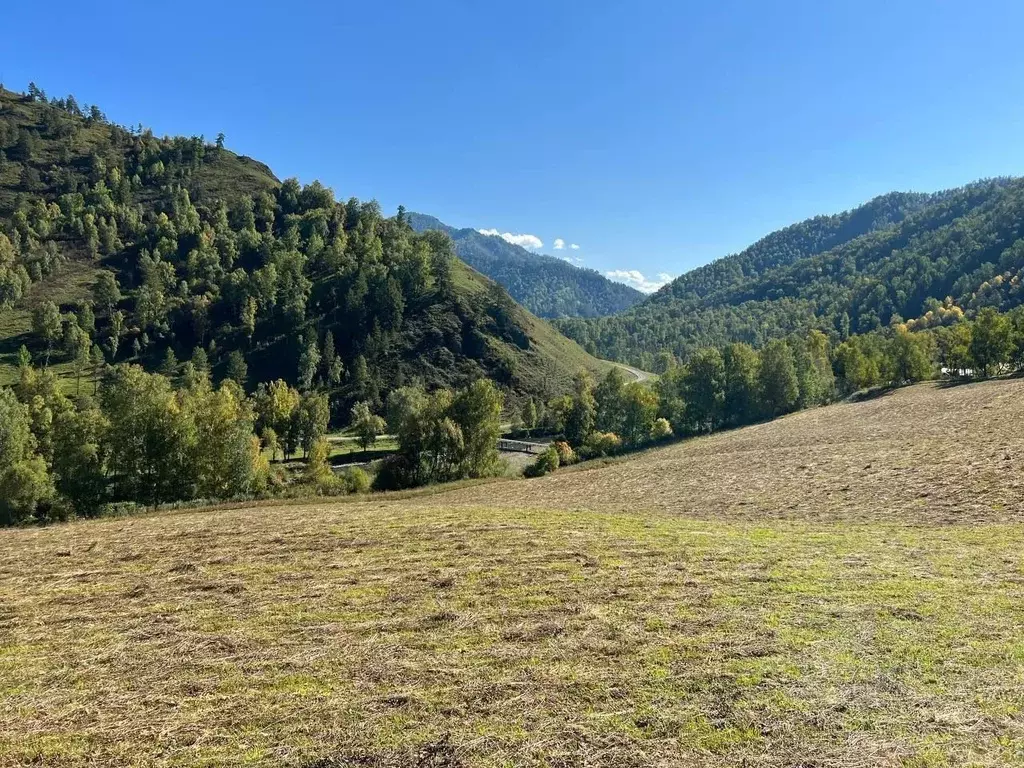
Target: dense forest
<point>545,285</point>
<point>117,245</point>
<point>900,255</point>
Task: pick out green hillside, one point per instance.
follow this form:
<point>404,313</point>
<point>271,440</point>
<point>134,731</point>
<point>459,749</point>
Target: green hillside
<point>209,250</point>
<point>900,254</point>
<point>546,285</point>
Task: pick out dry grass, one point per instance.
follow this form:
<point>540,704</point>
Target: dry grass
<point>637,614</point>
<point>924,454</point>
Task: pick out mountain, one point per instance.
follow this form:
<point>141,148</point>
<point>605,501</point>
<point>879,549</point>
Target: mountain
<point>547,286</point>
<point>156,247</point>
<point>900,254</point>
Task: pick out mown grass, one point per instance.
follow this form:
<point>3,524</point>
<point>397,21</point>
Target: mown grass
<point>361,634</point>
<point>782,596</point>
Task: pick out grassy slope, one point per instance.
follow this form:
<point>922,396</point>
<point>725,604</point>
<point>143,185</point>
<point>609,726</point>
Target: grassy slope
<point>552,360</point>
<point>840,587</point>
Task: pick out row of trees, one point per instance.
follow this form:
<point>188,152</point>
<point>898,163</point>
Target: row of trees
<point>143,441</point>
<point>737,384</point>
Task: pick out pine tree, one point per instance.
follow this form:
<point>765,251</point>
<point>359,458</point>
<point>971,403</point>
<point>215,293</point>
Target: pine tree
<point>169,366</point>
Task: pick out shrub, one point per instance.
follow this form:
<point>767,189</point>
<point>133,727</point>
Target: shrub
<point>545,463</point>
<point>602,444</point>
<point>566,455</point>
<point>661,430</point>
<point>394,473</point>
<point>357,480</point>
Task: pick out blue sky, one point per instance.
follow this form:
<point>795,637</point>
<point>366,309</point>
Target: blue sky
<point>656,136</point>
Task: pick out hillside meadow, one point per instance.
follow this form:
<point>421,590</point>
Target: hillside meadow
<point>840,587</point>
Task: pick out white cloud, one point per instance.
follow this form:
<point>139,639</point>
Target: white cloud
<point>636,279</point>
<point>559,244</point>
<point>526,241</point>
<point>574,247</point>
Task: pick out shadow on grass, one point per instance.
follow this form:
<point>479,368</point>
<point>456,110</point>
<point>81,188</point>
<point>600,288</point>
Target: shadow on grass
<point>873,393</point>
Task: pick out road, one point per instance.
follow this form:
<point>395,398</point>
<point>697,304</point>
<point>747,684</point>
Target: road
<point>636,372</point>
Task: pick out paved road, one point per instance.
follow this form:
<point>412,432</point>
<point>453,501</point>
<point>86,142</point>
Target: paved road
<point>636,372</point>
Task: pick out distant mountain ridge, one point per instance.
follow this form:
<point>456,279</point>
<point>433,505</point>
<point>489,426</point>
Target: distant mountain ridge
<point>852,272</point>
<point>545,285</point>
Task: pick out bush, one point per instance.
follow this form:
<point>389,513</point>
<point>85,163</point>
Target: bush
<point>395,473</point>
<point>566,455</point>
<point>357,480</point>
<point>545,463</point>
<point>602,444</point>
<point>661,430</point>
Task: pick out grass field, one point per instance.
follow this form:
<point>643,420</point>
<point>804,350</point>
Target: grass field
<point>841,587</point>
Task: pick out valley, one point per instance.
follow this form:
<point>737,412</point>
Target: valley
<point>840,587</point>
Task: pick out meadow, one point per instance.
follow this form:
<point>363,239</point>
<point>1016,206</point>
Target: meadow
<point>840,587</point>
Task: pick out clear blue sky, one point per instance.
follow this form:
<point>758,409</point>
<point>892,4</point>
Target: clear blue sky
<point>657,136</point>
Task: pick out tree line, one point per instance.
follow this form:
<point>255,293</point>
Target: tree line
<point>736,384</point>
<point>144,439</point>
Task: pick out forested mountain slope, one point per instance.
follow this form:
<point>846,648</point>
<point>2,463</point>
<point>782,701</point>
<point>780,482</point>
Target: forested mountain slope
<point>119,245</point>
<point>547,286</point>
<point>899,254</point>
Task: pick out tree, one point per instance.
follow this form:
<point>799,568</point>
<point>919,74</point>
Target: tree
<point>362,385</point>
<point>25,486</point>
<point>640,409</point>
<point>270,442</point>
<point>87,319</point>
<point>115,333</point>
<point>46,324</point>
<point>311,419</point>
<point>333,367</point>
<point>366,425</point>
<point>201,361</point>
<point>911,356</point>
<point>778,387</point>
<point>276,404</point>
<point>151,439</point>
<point>991,341</point>
<point>476,410</point>
<point>318,469</point>
<point>237,369</point>
<point>664,362</point>
<point>704,390</point>
<point>169,366</point>
<point>404,406</point>
<point>662,430</point>
<point>79,458</point>
<point>579,421</point>
<point>81,346</point>
<point>106,291</point>
<point>741,364</point>
<point>609,394</point>
<point>309,363</point>
<point>813,369</point>
<point>857,364</point>
<point>220,140</point>
<point>529,415</point>
<point>248,316</point>
<point>226,461</point>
